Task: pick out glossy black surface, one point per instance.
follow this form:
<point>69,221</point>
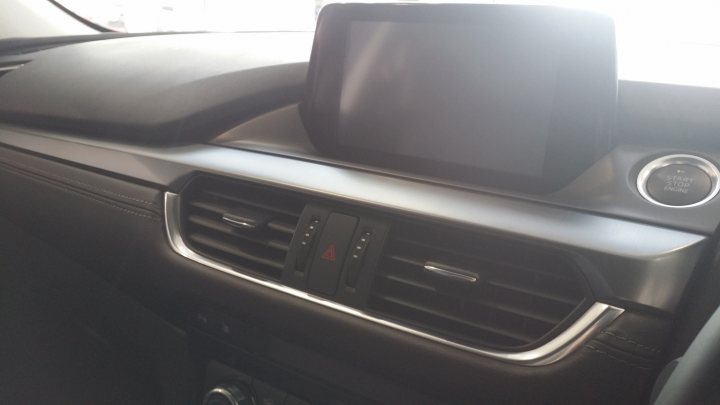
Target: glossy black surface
<point>430,131</point>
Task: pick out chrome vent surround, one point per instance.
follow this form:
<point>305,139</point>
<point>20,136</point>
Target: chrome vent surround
<point>245,230</point>
<point>211,226</point>
<point>476,290</point>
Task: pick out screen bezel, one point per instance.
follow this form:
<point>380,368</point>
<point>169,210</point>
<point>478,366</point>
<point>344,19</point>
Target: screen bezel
<point>584,100</point>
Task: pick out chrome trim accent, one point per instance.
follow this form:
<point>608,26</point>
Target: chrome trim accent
<point>596,318</point>
<point>451,272</point>
<point>237,223</point>
<point>679,159</point>
<point>11,67</point>
<point>221,391</point>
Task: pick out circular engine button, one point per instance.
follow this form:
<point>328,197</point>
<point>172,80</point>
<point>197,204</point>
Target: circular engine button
<point>679,185</point>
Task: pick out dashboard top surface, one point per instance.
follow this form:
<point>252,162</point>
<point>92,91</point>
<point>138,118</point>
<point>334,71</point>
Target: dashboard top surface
<point>158,88</point>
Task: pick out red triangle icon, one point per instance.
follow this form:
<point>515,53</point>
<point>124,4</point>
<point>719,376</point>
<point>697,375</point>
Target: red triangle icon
<point>329,253</point>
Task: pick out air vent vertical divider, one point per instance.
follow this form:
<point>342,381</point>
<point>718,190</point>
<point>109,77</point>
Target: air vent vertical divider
<point>299,256</point>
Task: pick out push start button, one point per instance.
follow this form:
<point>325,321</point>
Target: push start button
<point>679,185</point>
<point>679,181</point>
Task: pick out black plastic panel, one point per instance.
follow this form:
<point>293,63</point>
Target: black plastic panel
<point>160,88</point>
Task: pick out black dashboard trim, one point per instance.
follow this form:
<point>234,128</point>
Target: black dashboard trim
<point>625,261</point>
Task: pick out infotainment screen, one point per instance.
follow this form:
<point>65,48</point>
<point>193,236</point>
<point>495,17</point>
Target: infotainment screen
<point>487,109</point>
<point>513,96</point>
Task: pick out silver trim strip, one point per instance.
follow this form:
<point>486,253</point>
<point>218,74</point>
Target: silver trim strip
<point>451,272</point>
<point>703,164</point>
<point>596,318</point>
<point>237,223</point>
<point>11,67</point>
<point>221,391</point>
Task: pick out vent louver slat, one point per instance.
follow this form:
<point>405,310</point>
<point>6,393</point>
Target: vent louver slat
<point>522,297</point>
<point>261,248</point>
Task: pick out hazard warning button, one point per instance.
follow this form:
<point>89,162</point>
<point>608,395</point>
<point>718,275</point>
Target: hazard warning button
<point>330,254</point>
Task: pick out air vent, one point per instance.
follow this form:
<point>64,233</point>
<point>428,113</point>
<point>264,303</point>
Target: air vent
<point>476,290</point>
<point>247,227</point>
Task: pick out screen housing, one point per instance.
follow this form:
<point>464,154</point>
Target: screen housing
<point>584,101</point>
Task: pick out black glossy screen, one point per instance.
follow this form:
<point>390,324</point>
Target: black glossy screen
<point>465,94</point>
<point>514,97</point>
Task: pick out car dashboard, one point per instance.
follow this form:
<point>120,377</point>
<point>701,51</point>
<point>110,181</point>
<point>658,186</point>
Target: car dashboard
<point>177,168</point>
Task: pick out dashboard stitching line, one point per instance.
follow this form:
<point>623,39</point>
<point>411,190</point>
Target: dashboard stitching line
<point>126,210</point>
<point>632,342</point>
<point>32,168</point>
<point>617,359</point>
<point>156,219</point>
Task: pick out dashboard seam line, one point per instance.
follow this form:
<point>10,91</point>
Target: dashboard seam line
<point>631,342</point>
<point>617,359</point>
<point>25,167</point>
<point>149,215</point>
